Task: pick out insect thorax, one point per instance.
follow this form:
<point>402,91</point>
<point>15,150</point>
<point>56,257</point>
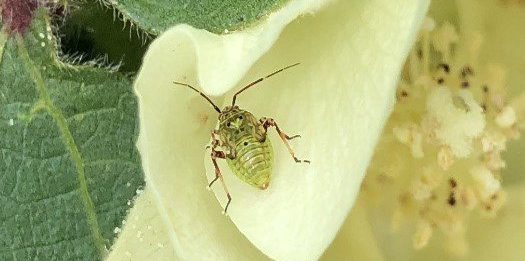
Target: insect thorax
<point>235,124</point>
<point>243,136</point>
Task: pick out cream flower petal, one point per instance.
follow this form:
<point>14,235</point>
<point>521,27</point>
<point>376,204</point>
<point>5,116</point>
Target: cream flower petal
<point>338,99</point>
<point>233,53</point>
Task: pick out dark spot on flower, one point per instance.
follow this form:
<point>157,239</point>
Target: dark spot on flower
<point>452,182</point>
<point>484,107</point>
<point>401,94</point>
<point>445,67</point>
<point>17,14</point>
<point>419,53</point>
<point>245,143</point>
<point>440,81</point>
<point>451,199</point>
<point>467,70</point>
<point>465,84</point>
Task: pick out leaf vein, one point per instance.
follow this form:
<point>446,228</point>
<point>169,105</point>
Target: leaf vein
<point>69,143</point>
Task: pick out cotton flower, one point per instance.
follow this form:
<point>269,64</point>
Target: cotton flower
<point>454,197</point>
<point>338,99</point>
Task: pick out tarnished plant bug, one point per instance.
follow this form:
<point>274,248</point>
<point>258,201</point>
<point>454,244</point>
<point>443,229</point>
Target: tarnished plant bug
<point>241,140</point>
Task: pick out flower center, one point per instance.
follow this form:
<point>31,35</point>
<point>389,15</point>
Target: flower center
<point>439,159</point>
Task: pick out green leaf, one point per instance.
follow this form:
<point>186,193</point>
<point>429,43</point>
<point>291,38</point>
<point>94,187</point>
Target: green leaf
<point>93,31</point>
<point>68,162</point>
<point>215,16</point>
<point>3,39</point>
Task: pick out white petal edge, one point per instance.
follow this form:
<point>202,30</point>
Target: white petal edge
<point>222,60</point>
<point>352,62</point>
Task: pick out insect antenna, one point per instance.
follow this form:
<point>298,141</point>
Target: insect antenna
<point>260,80</point>
<point>202,94</point>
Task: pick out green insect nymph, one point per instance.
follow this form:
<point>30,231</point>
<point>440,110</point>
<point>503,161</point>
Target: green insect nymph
<point>241,140</point>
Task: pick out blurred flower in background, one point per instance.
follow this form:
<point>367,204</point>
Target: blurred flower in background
<point>446,180</point>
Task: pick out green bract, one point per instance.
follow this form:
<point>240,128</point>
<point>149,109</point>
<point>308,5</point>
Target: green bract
<point>68,162</point>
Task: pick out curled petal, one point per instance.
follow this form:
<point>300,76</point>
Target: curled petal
<point>338,100</point>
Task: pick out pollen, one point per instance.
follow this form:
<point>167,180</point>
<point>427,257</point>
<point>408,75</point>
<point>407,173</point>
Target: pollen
<point>439,160</point>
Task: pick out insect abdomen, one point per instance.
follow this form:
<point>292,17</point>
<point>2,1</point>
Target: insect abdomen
<point>253,162</point>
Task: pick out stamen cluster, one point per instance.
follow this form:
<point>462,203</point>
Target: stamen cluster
<point>441,151</point>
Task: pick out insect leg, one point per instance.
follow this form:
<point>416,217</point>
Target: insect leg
<point>221,155</point>
<point>214,142</point>
<point>218,175</point>
<point>269,122</point>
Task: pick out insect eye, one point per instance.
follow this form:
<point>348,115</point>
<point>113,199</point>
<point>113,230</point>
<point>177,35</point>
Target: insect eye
<point>245,143</point>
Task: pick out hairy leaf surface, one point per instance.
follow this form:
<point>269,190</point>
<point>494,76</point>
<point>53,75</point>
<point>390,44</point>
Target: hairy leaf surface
<point>213,15</point>
<point>68,162</point>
